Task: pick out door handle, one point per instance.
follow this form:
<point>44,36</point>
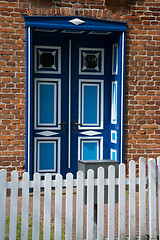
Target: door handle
<point>63,123</point>
<point>75,125</point>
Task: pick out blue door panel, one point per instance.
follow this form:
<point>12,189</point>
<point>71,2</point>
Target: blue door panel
<point>90,150</point>
<point>90,99</point>
<point>47,156</point>
<point>46,105</point>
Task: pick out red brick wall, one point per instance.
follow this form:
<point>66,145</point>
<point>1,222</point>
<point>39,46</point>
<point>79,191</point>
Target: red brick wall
<point>142,114</point>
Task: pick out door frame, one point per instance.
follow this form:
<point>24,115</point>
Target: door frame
<point>91,26</point>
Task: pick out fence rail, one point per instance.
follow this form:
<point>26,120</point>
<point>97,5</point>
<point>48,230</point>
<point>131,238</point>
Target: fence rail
<point>148,178</point>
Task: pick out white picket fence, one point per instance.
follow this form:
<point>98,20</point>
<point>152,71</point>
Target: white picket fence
<point>71,185</point>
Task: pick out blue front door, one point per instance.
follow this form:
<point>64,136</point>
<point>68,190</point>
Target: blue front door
<point>71,101</point>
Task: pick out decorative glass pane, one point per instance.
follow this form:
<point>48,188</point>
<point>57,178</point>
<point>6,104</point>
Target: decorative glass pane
<point>90,150</point>
<point>91,61</point>
<point>47,156</point>
<point>46,59</point>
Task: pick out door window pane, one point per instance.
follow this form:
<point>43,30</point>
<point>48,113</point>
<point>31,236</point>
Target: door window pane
<point>47,59</point>
<point>91,61</point>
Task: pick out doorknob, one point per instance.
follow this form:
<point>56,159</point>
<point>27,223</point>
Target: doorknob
<point>63,123</point>
<point>75,125</point>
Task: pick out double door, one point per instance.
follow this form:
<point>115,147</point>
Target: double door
<point>71,102</point>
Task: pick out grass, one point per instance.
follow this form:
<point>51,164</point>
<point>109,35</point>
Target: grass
<point>18,237</point>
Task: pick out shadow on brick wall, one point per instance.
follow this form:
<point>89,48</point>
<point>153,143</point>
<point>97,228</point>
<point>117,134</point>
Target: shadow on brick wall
<point>115,5</point>
<point>110,9</point>
<point>120,3</point>
<point>108,3</point>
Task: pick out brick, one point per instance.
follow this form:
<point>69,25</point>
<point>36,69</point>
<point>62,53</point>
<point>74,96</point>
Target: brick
<point>149,126</point>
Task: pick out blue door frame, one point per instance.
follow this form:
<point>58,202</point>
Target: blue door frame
<point>111,37</point>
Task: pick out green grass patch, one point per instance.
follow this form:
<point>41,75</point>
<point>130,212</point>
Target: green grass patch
<point>18,237</point>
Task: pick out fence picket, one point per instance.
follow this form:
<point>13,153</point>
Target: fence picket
<point>13,206</point>
<point>100,207</point>
<point>111,202</point>
<point>90,204</point>
<point>47,207</point>
<point>79,206</point>
<point>152,198</point>
<point>25,206</point>
<point>58,208</point>
<point>36,207</point>
<point>91,184</point>
<point>142,198</point>
<point>69,205</point>
<point>122,200</point>
<point>3,175</point>
<point>132,200</point>
<point>158,163</point>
